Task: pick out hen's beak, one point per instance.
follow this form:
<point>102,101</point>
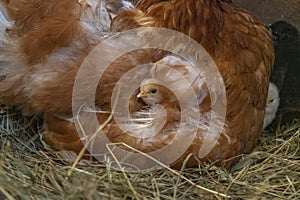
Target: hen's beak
<point>141,95</point>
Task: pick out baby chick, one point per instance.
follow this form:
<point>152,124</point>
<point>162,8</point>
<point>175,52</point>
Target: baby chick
<point>272,104</point>
<point>176,85</point>
<point>153,92</point>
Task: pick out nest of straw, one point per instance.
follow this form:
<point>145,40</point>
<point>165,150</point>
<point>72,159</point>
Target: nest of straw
<point>29,169</point>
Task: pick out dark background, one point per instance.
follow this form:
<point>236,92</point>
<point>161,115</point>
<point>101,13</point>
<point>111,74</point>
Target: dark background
<point>273,10</point>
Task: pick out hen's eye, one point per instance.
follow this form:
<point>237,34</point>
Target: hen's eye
<point>153,91</point>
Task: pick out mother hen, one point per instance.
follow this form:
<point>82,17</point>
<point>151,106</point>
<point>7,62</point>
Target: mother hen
<point>237,41</point>
<point>241,48</point>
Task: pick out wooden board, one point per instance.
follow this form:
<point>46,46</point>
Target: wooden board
<point>270,11</point>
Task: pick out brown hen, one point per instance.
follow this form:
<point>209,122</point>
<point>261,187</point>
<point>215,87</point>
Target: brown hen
<point>242,50</point>
<point>237,41</point>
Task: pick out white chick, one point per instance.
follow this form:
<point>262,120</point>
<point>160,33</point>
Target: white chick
<point>272,104</point>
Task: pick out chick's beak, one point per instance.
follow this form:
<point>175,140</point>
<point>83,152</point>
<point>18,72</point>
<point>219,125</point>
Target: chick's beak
<point>141,95</point>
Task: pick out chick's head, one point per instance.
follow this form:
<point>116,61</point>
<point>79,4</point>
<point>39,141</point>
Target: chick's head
<point>150,94</point>
<point>272,99</point>
<point>153,92</point>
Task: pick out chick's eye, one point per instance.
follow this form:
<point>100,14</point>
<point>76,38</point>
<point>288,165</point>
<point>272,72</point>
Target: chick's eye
<point>153,91</point>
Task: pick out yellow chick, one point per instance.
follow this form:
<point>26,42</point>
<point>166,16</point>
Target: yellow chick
<point>153,92</point>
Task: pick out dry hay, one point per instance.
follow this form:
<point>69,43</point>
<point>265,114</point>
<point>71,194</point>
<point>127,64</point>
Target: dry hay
<point>30,170</point>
